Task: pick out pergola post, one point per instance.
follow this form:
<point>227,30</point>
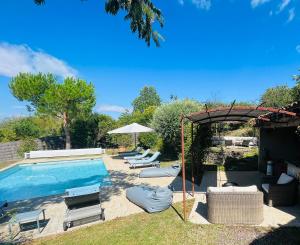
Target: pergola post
<point>192,163</point>
<point>183,169</point>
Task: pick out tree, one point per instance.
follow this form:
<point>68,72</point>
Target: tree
<point>277,97</point>
<point>147,97</point>
<point>166,121</point>
<point>142,15</point>
<point>67,100</point>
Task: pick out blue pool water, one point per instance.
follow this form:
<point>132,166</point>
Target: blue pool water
<point>44,179</point>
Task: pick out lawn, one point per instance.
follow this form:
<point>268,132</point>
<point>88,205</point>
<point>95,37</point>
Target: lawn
<point>168,228</point>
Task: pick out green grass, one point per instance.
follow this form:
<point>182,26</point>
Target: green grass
<point>168,228</point>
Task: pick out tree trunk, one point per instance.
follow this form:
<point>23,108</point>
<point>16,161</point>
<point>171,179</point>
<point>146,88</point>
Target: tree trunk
<point>67,131</point>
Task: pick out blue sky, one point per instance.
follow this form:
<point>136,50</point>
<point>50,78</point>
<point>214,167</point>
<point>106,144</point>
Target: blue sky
<point>218,49</point>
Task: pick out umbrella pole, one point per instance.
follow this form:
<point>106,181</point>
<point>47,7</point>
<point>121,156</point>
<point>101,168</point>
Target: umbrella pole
<point>135,140</point>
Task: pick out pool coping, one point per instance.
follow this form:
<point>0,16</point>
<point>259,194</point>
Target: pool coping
<point>51,160</point>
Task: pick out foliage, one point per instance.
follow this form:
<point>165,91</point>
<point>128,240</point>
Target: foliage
<point>105,124</point>
<point>92,131</point>
<point>198,149</point>
<point>26,128</point>
<point>31,87</point>
<point>142,15</point>
<point>7,134</point>
<point>71,99</point>
<point>277,97</point>
<point>296,88</point>
<point>147,97</point>
<point>148,140</point>
<point>28,144</point>
<point>166,121</point>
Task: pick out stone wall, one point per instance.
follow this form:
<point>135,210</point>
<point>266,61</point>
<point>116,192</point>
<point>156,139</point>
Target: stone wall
<point>9,150</point>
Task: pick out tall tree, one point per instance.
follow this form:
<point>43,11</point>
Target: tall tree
<point>277,97</point>
<point>147,97</point>
<point>67,100</point>
<point>142,15</point>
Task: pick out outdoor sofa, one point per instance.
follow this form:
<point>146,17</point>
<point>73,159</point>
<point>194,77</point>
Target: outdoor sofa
<point>234,205</point>
<point>280,191</point>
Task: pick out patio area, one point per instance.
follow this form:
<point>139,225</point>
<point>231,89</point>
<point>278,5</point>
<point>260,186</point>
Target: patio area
<point>116,204</point>
<point>273,216</point>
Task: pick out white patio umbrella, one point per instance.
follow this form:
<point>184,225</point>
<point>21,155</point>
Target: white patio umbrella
<point>133,129</point>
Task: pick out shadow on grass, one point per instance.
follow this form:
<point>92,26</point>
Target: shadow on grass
<point>283,235</point>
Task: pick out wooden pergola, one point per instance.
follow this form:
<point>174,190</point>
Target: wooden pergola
<point>224,114</point>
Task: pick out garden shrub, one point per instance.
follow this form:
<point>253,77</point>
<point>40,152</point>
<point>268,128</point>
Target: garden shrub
<point>166,122</point>
<point>148,140</point>
<point>28,144</point>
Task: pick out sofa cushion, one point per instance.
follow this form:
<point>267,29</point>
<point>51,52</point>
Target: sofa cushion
<point>220,189</point>
<point>265,187</point>
<point>284,179</point>
<point>251,188</point>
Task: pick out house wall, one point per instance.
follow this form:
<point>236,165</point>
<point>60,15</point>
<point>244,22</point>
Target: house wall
<point>279,144</point>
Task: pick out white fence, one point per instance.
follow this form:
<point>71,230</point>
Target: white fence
<point>64,153</point>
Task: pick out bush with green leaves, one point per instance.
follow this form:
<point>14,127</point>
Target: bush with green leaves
<point>27,145</point>
<point>148,140</point>
<point>26,128</point>
<point>166,122</point>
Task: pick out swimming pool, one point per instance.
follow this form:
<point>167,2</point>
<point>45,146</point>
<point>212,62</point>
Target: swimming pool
<point>44,179</point>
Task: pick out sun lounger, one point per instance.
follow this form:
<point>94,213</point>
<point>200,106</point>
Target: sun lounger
<point>141,156</point>
<point>151,199</point>
<point>171,171</point>
<point>83,206</point>
<point>131,153</point>
<point>152,161</point>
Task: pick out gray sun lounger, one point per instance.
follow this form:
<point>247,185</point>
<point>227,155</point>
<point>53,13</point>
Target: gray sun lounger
<point>151,199</point>
<point>83,206</point>
<point>141,156</point>
<point>151,161</point>
<point>171,171</point>
<point>131,153</point>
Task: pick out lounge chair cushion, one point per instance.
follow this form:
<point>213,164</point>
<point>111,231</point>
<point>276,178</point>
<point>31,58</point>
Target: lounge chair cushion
<point>152,199</point>
<point>220,189</point>
<point>284,179</point>
<point>265,187</point>
<point>171,171</point>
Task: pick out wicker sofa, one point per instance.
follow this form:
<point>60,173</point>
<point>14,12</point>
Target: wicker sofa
<point>279,194</point>
<point>235,206</point>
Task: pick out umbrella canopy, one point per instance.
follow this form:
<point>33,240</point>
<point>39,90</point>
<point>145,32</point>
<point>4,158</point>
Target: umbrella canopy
<point>131,129</point>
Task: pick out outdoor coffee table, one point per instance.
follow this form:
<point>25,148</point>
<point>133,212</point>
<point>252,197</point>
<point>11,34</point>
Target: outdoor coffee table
<point>27,217</point>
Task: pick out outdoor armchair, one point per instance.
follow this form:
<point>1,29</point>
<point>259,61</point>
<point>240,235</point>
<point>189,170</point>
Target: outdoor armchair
<point>279,194</point>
